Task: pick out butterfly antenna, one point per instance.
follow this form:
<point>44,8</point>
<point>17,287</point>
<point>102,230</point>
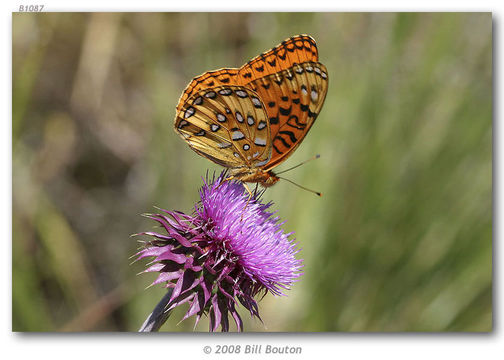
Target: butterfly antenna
<point>302,187</point>
<point>302,163</point>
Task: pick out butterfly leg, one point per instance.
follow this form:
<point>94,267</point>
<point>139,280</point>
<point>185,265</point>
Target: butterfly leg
<point>248,200</point>
<point>226,179</point>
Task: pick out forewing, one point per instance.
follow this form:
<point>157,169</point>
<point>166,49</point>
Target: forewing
<point>293,98</point>
<point>226,124</point>
<point>295,50</point>
<point>208,80</point>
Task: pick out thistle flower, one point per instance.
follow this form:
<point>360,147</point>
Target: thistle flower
<point>229,251</point>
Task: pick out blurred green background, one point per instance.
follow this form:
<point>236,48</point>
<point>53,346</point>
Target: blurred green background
<point>401,239</point>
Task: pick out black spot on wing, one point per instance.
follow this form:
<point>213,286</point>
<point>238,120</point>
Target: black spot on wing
<point>295,123</point>
<point>284,111</point>
<point>285,143</point>
<point>276,149</point>
<point>273,120</point>
<point>290,134</point>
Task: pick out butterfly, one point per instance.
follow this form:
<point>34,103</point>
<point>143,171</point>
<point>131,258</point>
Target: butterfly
<point>251,119</point>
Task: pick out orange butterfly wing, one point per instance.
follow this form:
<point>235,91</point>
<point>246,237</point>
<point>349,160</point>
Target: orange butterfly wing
<point>228,125</point>
<point>291,85</point>
<point>293,98</point>
<point>208,80</point>
<point>295,50</point>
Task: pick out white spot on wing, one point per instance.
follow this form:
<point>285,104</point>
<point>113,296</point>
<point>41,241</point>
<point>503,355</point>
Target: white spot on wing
<point>182,123</point>
<point>224,145</point>
<point>189,112</point>
<point>241,93</point>
<point>262,125</point>
<point>260,141</point>
<point>237,135</point>
<point>256,101</point>
<point>261,163</point>
<point>225,91</point>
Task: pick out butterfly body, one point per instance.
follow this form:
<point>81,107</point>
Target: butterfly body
<point>254,175</point>
<point>251,119</point>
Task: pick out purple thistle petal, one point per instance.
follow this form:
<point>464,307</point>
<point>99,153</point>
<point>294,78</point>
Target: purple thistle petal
<point>230,250</point>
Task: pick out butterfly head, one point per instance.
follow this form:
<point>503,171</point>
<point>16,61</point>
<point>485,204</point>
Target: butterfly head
<point>270,179</point>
